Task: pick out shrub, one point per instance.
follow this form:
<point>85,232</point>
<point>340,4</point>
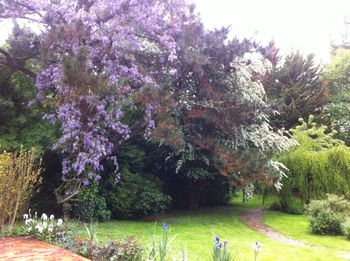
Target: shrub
<point>19,174</point>
<point>136,195</point>
<point>90,205</point>
<point>326,216</point>
<point>346,228</point>
<point>128,249</point>
<point>81,246</point>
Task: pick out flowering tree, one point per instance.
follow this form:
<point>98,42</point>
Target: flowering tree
<point>99,60</point>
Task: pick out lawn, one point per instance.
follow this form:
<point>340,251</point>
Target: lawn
<point>195,230</point>
<point>296,226</point>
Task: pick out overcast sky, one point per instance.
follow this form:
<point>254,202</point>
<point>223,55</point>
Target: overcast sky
<point>308,25</point>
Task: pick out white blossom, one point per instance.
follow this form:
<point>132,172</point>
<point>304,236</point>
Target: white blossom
<point>28,221</point>
<point>59,222</point>
<point>44,216</point>
<point>39,227</point>
<point>50,229</point>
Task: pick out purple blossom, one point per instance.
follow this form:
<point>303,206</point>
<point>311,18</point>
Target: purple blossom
<point>165,227</point>
<point>111,32</point>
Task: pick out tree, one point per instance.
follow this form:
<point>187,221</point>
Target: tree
<point>97,60</point>
<point>337,112</point>
<point>219,120</point>
<point>100,61</point>
<point>295,89</point>
<point>20,125</point>
<point>320,165</point>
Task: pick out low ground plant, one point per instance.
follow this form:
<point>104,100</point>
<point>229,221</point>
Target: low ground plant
<point>45,228</point>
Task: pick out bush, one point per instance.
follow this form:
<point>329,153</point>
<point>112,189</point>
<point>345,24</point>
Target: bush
<point>81,246</point>
<point>19,174</point>
<point>326,216</point>
<point>136,195</point>
<point>346,228</point>
<point>90,205</point>
<point>128,249</point>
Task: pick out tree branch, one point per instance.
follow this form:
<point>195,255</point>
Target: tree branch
<point>11,63</point>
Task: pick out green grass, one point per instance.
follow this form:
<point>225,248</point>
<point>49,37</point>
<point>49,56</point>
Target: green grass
<point>195,229</point>
<point>296,226</point>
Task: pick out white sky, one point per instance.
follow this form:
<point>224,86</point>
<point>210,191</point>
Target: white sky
<point>308,25</point>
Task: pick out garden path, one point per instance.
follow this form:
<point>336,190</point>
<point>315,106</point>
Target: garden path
<point>29,249</point>
<point>254,218</point>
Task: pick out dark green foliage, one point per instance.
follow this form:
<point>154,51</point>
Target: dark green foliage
<point>90,206</point>
<point>136,195</point>
<point>326,216</point>
<point>19,123</point>
<point>337,112</point>
<point>199,184</point>
<point>45,198</point>
<point>288,204</point>
<point>320,165</point>
<point>295,90</point>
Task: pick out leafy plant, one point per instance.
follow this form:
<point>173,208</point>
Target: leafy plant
<point>128,249</point>
<point>44,228</point>
<point>90,205</point>
<point>346,228</point>
<point>220,251</point>
<point>160,249</point>
<point>326,216</point>
<point>136,195</point>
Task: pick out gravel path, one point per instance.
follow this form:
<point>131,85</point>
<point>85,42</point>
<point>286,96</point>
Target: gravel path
<point>254,219</point>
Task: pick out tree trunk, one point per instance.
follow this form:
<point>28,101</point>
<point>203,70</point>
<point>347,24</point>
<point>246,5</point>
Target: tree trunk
<point>193,200</point>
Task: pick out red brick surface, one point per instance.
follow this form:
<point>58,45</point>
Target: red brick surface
<point>28,249</point>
